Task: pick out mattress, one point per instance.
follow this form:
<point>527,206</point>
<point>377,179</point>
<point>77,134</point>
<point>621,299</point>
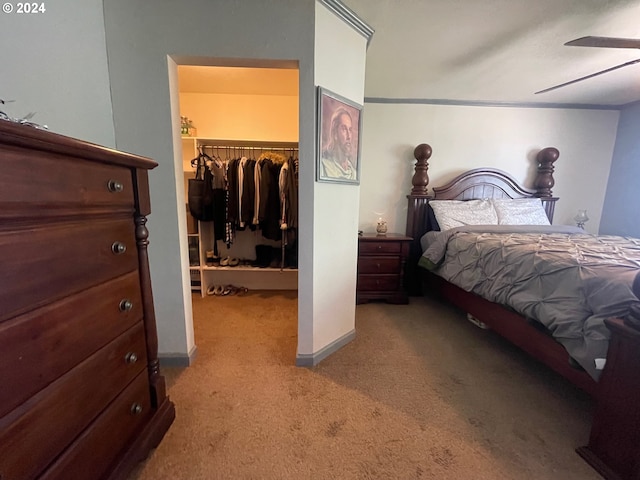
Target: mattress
<point>560,276</point>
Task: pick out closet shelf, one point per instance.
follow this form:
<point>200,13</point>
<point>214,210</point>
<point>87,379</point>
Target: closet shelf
<point>248,269</point>
<point>212,142</point>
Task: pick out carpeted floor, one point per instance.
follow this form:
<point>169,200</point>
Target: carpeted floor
<point>419,394</point>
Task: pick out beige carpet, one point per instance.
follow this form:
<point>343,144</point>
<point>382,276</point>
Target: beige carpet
<point>420,394</point>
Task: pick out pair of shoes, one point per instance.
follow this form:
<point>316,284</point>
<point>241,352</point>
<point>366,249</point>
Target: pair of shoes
<point>223,290</point>
<point>229,262</point>
<point>233,290</point>
<point>215,290</point>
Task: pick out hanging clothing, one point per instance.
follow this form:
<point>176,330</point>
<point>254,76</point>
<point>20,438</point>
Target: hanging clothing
<point>229,232</point>
<point>247,198</point>
<point>232,189</point>
<point>288,197</point>
<point>219,170</point>
<point>256,194</point>
<point>241,164</point>
<point>270,200</point>
<point>257,178</point>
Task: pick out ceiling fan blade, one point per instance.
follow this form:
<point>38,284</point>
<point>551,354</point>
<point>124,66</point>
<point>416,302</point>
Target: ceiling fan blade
<point>605,42</point>
<point>626,64</point>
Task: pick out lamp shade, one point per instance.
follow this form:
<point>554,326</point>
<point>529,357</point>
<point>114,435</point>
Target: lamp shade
<point>581,216</point>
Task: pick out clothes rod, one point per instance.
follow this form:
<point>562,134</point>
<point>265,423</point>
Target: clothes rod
<point>264,149</point>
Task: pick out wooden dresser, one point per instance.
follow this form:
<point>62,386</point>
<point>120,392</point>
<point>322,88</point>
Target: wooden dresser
<point>381,261</point>
<point>81,395</point>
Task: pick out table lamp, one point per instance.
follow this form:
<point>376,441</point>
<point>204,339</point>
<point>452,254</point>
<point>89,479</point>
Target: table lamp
<point>581,218</point>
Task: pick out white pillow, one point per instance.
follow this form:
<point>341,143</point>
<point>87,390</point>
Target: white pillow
<point>520,211</point>
<point>458,213</point>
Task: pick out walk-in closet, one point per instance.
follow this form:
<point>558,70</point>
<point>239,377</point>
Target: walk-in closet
<point>239,131</point>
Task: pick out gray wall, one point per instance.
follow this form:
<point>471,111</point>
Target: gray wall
<point>140,35</point>
<point>621,212</point>
<point>55,64</point>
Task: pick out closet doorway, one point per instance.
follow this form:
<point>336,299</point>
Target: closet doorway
<point>241,123</point>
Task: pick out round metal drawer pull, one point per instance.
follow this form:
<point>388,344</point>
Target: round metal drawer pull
<point>115,186</point>
<point>131,358</point>
<point>125,305</point>
<point>136,408</point>
<point>118,248</point>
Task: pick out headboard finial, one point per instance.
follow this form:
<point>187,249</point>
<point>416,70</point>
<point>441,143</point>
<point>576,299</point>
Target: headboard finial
<point>544,179</point>
<point>420,179</point>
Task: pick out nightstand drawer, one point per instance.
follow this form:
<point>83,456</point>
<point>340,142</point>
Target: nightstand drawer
<point>378,283</point>
<point>378,265</point>
<point>380,248</point>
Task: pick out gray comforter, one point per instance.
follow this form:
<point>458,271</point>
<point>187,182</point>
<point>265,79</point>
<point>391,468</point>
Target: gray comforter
<point>562,277</point>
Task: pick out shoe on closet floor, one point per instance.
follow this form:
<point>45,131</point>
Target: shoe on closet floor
<point>215,290</point>
<point>233,290</point>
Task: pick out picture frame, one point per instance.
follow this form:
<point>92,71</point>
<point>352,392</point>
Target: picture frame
<point>339,128</point>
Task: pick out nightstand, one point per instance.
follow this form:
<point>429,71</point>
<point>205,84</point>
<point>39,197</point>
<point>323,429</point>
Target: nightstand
<point>381,260</point>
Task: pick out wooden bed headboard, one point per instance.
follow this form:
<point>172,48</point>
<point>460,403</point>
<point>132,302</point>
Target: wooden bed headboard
<point>475,184</point>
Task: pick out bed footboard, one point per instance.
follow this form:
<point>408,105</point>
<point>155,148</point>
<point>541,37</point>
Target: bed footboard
<point>614,443</point>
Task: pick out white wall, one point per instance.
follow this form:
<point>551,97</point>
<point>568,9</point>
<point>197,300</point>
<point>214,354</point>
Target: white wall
<point>339,66</point>
<point>139,39</point>
<point>621,215</point>
<point>242,117</point>
<point>470,137</point>
<point>55,64</point>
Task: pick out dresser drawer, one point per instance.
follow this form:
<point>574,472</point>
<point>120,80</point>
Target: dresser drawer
<point>45,264</point>
<point>379,247</point>
<point>35,433</point>
<point>63,334</point>
<point>92,453</point>
<point>374,283</point>
<point>378,265</point>
<point>49,181</point>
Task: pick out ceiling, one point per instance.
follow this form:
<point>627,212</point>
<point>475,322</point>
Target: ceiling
<point>499,50</point>
<point>495,51</point>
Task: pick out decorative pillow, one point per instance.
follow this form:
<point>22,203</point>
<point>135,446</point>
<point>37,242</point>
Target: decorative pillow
<point>520,211</point>
<point>432,223</point>
<point>458,213</point>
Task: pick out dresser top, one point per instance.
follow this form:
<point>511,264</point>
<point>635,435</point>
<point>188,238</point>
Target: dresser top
<point>15,134</point>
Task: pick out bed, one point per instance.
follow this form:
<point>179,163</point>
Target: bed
<point>614,444</point>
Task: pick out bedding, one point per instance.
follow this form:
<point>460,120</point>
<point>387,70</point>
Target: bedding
<point>457,213</point>
<point>520,211</point>
<point>567,280</point>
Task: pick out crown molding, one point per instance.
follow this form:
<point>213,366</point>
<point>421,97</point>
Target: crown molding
<point>349,17</point>
<point>476,103</point>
